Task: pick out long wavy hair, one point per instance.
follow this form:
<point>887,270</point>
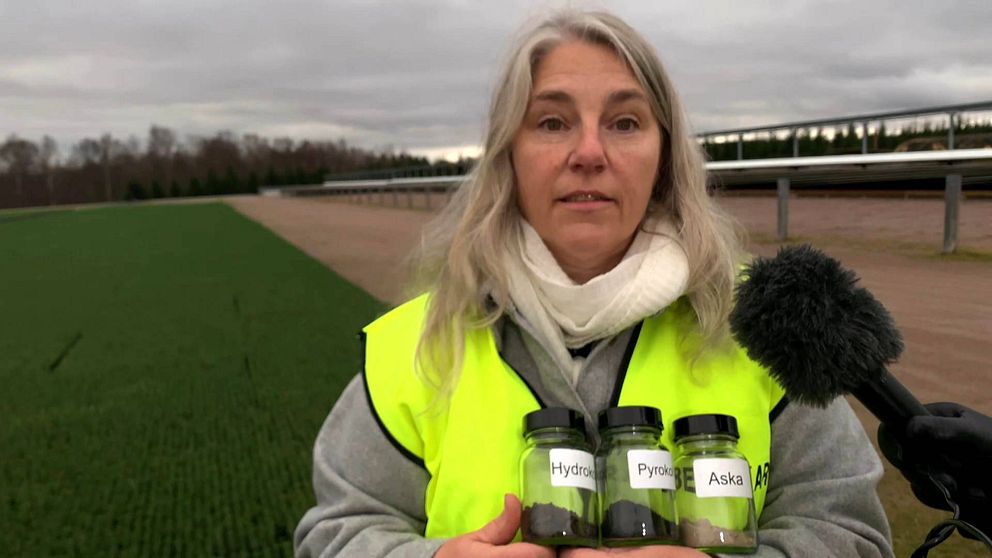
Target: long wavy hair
<point>460,259</point>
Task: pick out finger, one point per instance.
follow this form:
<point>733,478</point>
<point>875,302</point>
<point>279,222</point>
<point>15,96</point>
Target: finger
<point>927,493</point>
<point>600,552</point>
<point>890,446</point>
<point>654,551</point>
<point>967,429</point>
<point>524,550</point>
<point>945,409</point>
<point>501,530</point>
<point>665,551</point>
<point>940,431</point>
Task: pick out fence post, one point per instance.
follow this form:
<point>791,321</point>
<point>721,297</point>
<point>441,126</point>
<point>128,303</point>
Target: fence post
<point>783,209</point>
<point>427,194</point>
<point>795,142</point>
<point>409,198</point>
<point>396,197</point>
<point>740,147</point>
<point>952,199</point>
<point>864,138</point>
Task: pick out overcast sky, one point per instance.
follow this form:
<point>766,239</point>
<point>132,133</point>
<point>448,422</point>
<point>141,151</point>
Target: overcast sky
<point>416,75</point>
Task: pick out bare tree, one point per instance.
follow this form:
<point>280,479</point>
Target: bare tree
<point>256,150</point>
<point>19,156</point>
<point>106,143</point>
<point>46,156</point>
<point>113,151</point>
<point>86,152</point>
<point>161,149</point>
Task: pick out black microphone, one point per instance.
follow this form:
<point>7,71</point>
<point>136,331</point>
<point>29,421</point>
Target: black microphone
<point>803,317</point>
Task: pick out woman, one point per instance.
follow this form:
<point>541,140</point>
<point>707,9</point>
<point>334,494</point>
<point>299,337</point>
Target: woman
<point>581,265</point>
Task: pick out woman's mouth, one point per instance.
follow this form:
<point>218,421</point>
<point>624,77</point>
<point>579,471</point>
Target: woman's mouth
<point>584,197</point>
<point>586,200</point>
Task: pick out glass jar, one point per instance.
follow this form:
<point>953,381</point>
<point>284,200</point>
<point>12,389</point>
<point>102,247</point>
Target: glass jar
<point>713,497</point>
<point>637,479</point>
<point>558,480</point>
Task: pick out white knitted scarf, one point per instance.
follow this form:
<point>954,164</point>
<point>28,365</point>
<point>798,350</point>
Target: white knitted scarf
<point>652,274</point>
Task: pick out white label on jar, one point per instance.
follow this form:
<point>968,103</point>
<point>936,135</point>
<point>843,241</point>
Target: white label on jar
<point>716,477</point>
<point>650,469</point>
<point>573,468</point>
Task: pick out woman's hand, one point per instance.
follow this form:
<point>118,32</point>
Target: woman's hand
<point>493,540</point>
<point>657,551</point>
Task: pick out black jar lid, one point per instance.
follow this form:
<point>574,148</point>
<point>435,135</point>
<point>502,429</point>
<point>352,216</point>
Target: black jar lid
<point>630,416</point>
<point>554,417</point>
<point>706,424</point>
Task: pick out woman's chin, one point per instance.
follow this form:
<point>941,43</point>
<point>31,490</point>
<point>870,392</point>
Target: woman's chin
<point>592,248</point>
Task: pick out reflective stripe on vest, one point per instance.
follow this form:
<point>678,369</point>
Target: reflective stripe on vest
<point>471,445</point>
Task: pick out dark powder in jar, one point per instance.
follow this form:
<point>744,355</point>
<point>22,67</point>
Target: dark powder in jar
<point>626,520</point>
<point>703,534</point>
<point>549,524</point>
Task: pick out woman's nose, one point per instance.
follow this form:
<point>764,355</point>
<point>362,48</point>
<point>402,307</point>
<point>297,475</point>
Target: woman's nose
<point>588,155</point>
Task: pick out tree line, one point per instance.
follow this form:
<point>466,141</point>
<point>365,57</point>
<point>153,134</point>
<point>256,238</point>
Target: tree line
<point>108,168</point>
<point>846,140</point>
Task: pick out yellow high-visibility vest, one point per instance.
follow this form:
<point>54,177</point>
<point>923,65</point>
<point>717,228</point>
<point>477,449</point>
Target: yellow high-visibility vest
<point>471,444</point>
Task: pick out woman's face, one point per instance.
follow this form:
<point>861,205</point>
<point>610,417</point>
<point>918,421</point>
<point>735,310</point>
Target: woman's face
<point>586,157</point>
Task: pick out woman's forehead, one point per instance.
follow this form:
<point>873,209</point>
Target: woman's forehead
<point>576,67</point>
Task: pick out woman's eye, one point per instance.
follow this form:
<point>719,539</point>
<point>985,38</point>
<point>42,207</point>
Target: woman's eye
<point>552,124</point>
<point>626,125</point>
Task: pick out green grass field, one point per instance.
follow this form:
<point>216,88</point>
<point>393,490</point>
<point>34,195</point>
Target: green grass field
<point>165,370</point>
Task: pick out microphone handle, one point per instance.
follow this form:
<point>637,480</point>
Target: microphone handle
<point>889,400</point>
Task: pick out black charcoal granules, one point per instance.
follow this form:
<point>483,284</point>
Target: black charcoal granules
<point>625,520</point>
<point>550,525</point>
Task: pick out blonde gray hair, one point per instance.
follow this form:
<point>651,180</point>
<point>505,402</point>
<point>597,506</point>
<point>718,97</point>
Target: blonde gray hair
<point>460,258</point>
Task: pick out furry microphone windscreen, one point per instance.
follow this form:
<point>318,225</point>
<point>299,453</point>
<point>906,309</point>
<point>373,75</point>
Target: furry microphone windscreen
<point>802,316</point>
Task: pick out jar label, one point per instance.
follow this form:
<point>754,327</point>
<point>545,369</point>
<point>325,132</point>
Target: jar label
<point>650,469</point>
<point>716,477</point>
<point>574,468</point>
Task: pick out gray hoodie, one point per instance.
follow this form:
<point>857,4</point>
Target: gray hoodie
<point>821,499</point>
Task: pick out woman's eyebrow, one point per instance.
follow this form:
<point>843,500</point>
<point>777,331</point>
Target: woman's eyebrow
<point>616,97</point>
<point>554,96</point>
<point>624,95</point>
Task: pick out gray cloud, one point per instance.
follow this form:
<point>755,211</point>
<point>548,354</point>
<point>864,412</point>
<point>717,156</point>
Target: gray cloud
<point>417,75</point>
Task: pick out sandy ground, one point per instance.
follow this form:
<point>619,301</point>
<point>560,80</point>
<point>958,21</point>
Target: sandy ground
<point>365,244</point>
<point>942,305</point>
<point>883,223</point>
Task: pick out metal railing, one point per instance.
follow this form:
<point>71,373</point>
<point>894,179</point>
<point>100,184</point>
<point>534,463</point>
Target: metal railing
<point>448,169</point>
<point>953,112</point>
<point>368,190</point>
